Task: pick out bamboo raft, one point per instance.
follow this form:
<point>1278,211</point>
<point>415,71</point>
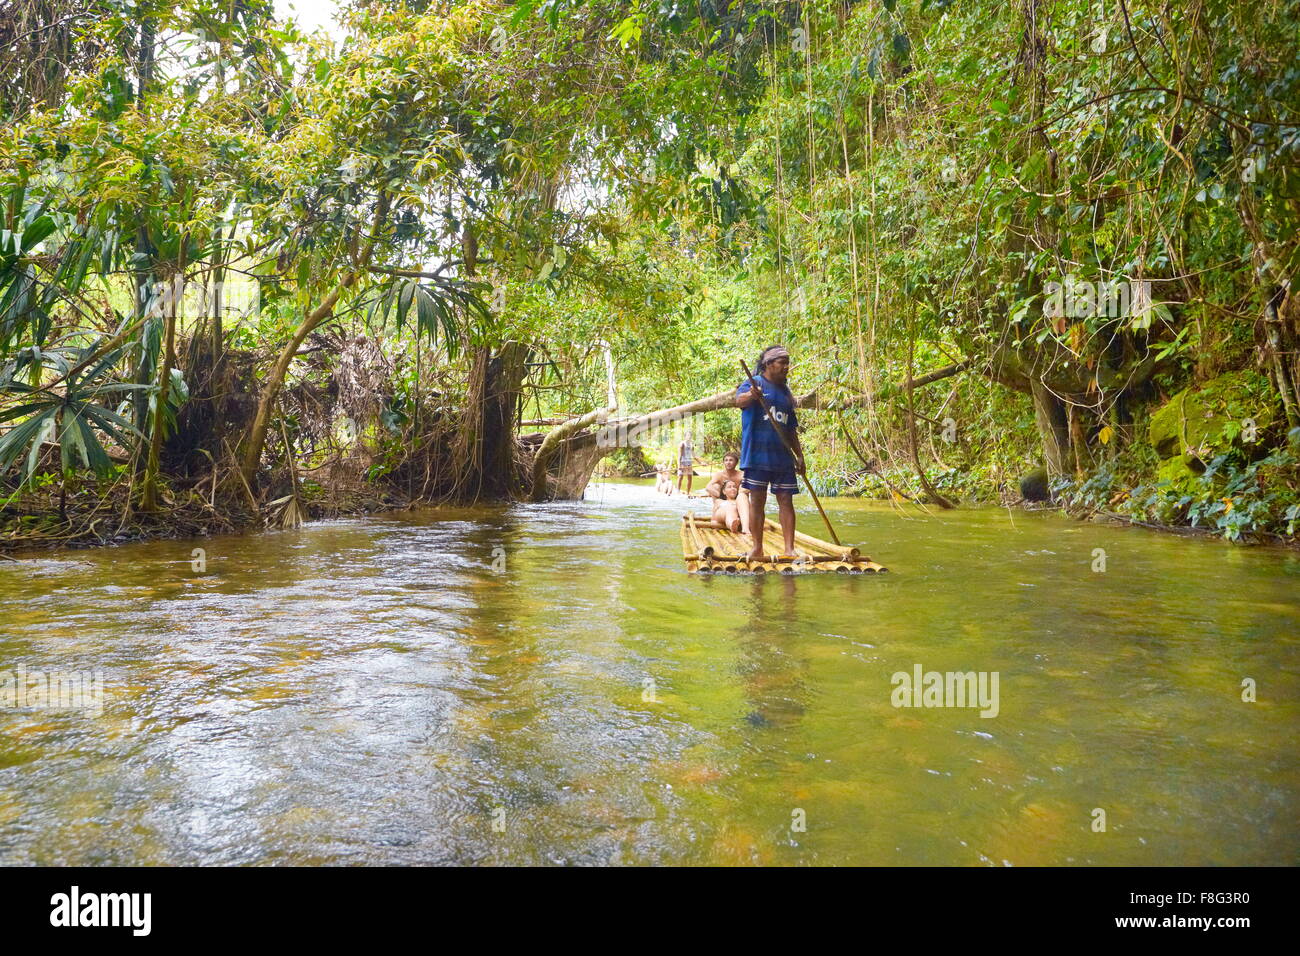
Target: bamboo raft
<point>711,550</point>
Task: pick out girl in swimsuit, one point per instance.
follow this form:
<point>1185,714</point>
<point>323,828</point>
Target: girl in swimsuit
<point>725,512</point>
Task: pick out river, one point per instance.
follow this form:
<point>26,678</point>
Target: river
<point>543,684</point>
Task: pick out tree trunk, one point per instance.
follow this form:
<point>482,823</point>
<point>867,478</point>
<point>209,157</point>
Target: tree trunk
<point>149,489</point>
<point>487,440</point>
<point>550,445</point>
<point>217,300</point>
<point>502,386</point>
<point>256,440</point>
<point>1274,330</point>
<point>1053,428</point>
<point>144,247</point>
<point>1078,439</point>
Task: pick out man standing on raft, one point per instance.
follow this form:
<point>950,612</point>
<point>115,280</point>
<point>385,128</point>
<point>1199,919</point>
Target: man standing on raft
<point>763,457</point>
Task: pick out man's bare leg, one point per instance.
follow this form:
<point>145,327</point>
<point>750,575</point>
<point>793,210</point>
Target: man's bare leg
<point>757,502</point>
<point>785,508</point>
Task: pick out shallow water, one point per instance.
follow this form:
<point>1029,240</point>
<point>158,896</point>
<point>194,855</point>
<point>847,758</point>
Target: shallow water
<point>545,684</point>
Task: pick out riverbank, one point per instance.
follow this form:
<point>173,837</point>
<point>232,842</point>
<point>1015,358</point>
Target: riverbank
<point>99,522</point>
<point>1244,501</point>
<point>108,519</point>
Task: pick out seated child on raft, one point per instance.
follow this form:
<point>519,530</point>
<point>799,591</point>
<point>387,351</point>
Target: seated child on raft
<point>726,509</point>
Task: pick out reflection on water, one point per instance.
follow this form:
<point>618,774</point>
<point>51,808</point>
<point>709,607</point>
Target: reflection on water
<point>385,691</point>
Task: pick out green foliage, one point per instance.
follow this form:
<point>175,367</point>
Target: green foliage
<point>1232,497</point>
<point>72,416</point>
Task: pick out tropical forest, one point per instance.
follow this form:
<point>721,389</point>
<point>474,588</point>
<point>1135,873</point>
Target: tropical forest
<point>253,275</point>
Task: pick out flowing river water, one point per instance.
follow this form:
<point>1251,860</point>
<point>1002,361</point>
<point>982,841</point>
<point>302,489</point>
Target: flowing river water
<point>545,684</point>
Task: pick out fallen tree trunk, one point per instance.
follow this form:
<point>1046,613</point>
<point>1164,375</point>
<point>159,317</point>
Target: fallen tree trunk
<point>628,433</point>
<point>551,444</point>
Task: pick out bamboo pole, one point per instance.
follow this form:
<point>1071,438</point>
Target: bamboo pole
<point>842,552</point>
<point>700,550</point>
<point>688,550</point>
<point>782,559</point>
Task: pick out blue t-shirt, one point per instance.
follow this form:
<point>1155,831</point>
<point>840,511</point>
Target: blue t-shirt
<point>760,446</point>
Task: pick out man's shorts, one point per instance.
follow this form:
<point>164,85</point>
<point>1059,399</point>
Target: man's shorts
<point>685,468</point>
<point>757,479</point>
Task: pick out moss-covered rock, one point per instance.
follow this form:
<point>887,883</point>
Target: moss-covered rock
<point>1034,487</point>
<point>1181,474</point>
<point>1207,420</point>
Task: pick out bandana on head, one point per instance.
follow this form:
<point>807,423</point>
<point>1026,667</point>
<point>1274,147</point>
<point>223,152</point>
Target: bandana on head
<point>774,354</point>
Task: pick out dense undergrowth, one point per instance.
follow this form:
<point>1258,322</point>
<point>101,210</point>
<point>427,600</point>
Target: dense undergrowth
<point>1233,497</point>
